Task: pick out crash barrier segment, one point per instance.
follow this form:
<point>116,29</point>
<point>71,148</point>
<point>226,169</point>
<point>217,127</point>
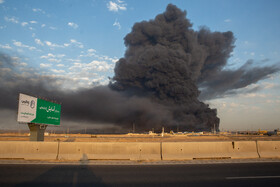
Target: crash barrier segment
<point>138,151</point>
<point>269,149</point>
<point>109,151</point>
<point>209,150</point>
<point>28,150</point>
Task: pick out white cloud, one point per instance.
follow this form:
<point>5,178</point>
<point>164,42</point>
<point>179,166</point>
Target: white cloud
<point>38,10</point>
<point>38,41</point>
<point>11,19</point>
<point>114,60</point>
<point>49,55</point>
<point>254,95</point>
<point>57,71</point>
<point>50,44</point>
<point>15,58</point>
<point>74,60</point>
<point>268,85</point>
<point>23,64</point>
<point>60,65</point>
<point>116,6</point>
<point>6,46</point>
<point>84,74</point>
<point>53,28</point>
<point>42,65</point>
<point>73,25</point>
<point>227,20</point>
<point>91,50</point>
<point>24,24</point>
<point>54,60</point>
<point>76,43</point>
<point>100,66</point>
<point>17,63</point>
<point>60,55</point>
<point>2,1</point>
<point>19,44</point>
<point>93,53</point>
<point>43,25</point>
<point>117,24</point>
<point>33,22</point>
<point>90,53</point>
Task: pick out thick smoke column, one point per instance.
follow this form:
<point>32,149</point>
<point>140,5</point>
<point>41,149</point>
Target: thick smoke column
<point>165,59</point>
<point>155,84</point>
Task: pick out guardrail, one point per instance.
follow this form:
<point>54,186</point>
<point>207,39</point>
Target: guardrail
<point>138,150</point>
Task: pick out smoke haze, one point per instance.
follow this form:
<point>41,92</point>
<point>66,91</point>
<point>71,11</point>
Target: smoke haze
<point>155,83</point>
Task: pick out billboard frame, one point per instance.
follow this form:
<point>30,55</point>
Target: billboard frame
<point>38,114</point>
<point>36,110</point>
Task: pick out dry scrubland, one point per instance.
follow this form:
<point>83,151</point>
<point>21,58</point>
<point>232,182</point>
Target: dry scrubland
<point>137,137</point>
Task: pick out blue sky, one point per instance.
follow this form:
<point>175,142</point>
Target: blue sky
<point>82,40</point>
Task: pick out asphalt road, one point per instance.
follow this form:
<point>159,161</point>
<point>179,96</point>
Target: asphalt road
<point>222,174</point>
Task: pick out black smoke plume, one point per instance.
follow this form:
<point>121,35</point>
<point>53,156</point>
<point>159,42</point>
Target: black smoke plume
<point>165,59</point>
<point>155,84</point>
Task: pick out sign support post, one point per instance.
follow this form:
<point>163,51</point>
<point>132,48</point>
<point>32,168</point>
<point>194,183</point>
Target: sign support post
<point>37,131</point>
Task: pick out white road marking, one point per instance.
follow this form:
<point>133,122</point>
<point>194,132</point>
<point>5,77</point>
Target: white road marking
<point>253,177</point>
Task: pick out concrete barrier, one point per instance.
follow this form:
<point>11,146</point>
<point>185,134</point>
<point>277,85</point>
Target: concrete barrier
<point>244,149</point>
<point>269,149</point>
<point>138,150</point>
<point>109,151</point>
<point>208,150</point>
<point>28,150</point>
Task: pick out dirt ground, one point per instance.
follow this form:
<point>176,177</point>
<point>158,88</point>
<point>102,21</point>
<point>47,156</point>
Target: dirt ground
<point>138,137</point>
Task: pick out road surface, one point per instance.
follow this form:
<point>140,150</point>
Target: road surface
<point>86,174</point>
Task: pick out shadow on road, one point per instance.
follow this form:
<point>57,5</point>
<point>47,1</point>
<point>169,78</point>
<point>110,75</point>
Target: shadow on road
<point>67,175</point>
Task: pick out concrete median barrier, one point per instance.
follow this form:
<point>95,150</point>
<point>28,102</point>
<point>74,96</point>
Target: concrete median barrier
<point>244,149</point>
<point>28,150</point>
<point>138,150</point>
<point>208,150</point>
<point>109,151</point>
<point>269,149</point>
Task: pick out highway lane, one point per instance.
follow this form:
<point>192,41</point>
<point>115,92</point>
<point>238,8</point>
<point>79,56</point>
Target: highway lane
<point>222,174</point>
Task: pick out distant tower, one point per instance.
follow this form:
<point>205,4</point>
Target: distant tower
<point>133,127</point>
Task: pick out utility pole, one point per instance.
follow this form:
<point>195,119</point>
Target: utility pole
<point>214,128</point>
<point>133,127</point>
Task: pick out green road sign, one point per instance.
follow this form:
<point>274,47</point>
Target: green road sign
<point>34,110</point>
